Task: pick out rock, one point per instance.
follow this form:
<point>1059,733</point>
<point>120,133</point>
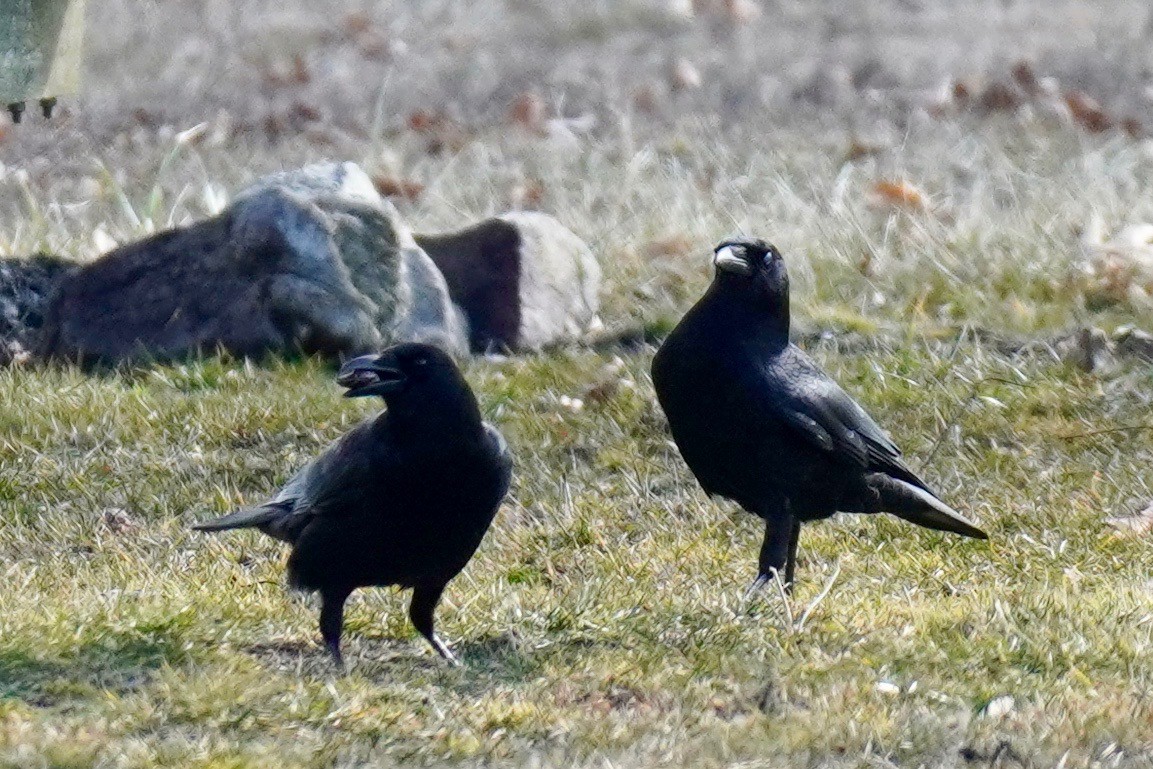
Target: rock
<point>1134,343</point>
<point>1088,349</point>
<point>523,280</point>
<point>311,260</point>
<point>25,285</point>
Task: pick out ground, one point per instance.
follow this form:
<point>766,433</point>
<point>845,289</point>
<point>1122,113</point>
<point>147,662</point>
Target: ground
<point>603,622</point>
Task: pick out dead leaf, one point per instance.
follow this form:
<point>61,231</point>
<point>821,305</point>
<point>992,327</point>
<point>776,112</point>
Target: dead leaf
<point>396,187</point>
<point>900,194</point>
<point>859,149</point>
<point>1087,111</point>
<point>1025,77</point>
<point>962,93</point>
<point>528,111</point>
<point>443,132</point>
<point>999,97</point>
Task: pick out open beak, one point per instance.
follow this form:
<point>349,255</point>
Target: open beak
<point>732,259</point>
<point>370,375</point>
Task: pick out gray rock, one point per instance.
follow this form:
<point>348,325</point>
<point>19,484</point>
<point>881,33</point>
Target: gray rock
<point>523,280</point>
<point>25,285</point>
<point>311,260</point>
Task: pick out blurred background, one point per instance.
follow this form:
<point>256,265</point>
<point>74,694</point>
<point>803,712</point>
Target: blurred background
<point>652,127</point>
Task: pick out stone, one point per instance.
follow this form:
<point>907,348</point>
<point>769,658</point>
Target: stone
<point>523,280</point>
<point>25,285</point>
<point>312,260</point>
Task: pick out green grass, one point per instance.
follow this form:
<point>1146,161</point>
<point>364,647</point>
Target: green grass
<point>602,623</point>
<point>603,617</point>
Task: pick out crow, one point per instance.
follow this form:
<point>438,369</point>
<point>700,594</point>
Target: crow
<point>402,499</point>
<point>759,423</point>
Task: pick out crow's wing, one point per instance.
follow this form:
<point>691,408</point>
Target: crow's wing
<point>338,481</point>
<point>333,484</point>
<point>808,400</point>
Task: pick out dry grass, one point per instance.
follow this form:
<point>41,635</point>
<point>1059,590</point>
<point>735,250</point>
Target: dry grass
<point>602,621</point>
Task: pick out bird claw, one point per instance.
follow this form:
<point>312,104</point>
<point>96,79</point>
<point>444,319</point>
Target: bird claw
<point>446,653</point>
<point>758,583</point>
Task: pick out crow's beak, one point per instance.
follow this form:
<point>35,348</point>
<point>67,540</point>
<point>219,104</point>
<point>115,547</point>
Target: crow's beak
<point>732,259</point>
<point>370,375</point>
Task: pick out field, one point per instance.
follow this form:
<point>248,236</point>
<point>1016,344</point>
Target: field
<point>603,622</point>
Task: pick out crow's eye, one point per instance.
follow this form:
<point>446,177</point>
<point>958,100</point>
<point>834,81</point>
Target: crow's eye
<point>421,361</point>
<point>770,255</point>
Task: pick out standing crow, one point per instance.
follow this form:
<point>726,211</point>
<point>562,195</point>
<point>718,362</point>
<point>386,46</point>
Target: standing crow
<point>403,499</point>
<point>759,423</point>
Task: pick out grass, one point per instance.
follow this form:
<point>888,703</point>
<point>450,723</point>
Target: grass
<point>603,618</point>
<point>603,621</point>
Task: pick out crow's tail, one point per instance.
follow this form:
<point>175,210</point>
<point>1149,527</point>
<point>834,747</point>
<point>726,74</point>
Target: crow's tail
<point>248,518</point>
<point>918,506</point>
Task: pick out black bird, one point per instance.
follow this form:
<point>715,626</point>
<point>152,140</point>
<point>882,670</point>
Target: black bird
<point>403,499</point>
<point>759,423</point>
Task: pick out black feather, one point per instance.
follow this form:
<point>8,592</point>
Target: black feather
<point>759,422</point>
<point>403,499</point>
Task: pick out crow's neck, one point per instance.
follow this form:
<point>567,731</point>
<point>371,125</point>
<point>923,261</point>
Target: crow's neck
<point>448,414</point>
<point>744,306</point>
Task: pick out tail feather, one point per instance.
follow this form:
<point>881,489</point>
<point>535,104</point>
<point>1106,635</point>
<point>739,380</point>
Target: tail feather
<point>248,518</point>
<point>919,506</point>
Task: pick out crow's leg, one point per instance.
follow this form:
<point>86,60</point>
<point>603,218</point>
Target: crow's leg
<point>778,549</point>
<point>791,562</point>
<point>332,620</point>
<point>425,596</point>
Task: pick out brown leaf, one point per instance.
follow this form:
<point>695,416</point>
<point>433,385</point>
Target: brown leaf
<point>1138,525</point>
<point>424,121</point>
<point>999,97</point>
<point>859,149</point>
<point>901,194</point>
<point>528,111</point>
<point>1025,77</point>
<point>1087,111</point>
<point>442,131</point>
<point>962,93</point>
<point>395,187</point>
<point>305,112</point>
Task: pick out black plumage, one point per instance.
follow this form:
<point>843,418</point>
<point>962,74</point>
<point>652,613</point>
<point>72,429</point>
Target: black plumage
<point>403,499</point>
<point>759,423</point>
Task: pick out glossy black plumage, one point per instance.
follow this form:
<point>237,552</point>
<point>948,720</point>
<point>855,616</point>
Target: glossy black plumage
<point>403,499</point>
<point>759,423</point>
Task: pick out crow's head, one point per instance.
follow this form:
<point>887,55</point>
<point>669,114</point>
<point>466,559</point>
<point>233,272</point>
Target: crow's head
<point>420,383</point>
<point>402,369</point>
<point>753,268</point>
